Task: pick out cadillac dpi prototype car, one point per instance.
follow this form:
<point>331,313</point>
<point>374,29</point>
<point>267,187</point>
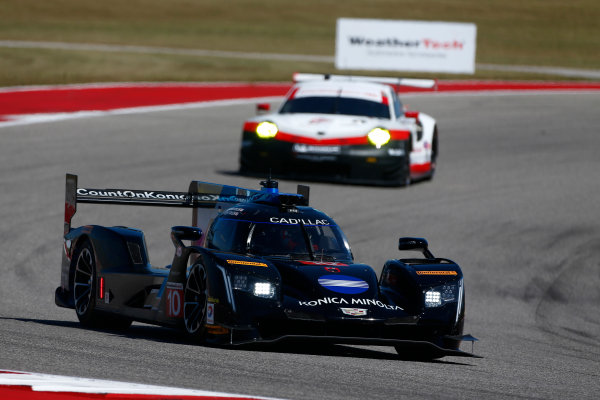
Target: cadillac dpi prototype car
<point>344,129</point>
<point>260,266</point>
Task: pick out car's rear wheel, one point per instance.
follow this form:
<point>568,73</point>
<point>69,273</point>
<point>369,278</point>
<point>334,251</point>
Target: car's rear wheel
<point>434,154</point>
<point>84,284</point>
<point>405,179</point>
<point>195,302</point>
<point>85,290</point>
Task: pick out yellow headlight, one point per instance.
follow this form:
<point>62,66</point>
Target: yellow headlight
<point>379,137</point>
<point>266,130</point>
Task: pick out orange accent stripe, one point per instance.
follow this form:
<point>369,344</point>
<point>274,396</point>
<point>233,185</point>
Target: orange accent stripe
<point>252,263</point>
<point>216,330</point>
<point>437,273</point>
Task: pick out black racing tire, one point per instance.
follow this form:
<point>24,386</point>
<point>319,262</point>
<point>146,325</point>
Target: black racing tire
<point>405,179</point>
<point>195,299</point>
<point>434,154</point>
<point>85,283</point>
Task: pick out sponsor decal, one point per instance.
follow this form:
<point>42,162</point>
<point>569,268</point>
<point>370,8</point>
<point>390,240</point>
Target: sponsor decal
<point>306,148</point>
<point>343,284</point>
<point>151,195</point>
<point>216,330</point>
<point>324,300</point>
<point>394,42</point>
<point>396,152</point>
<point>349,302</point>
<point>213,300</point>
<point>132,194</point>
<point>322,263</point>
<point>332,269</point>
<point>210,313</point>
<point>234,211</point>
<point>297,221</point>
<point>174,303</point>
<point>252,263</point>
<point>355,312</point>
<point>436,272</point>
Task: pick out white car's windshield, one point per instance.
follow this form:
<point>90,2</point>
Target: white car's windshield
<point>336,105</point>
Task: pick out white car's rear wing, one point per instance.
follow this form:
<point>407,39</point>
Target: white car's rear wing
<point>419,83</point>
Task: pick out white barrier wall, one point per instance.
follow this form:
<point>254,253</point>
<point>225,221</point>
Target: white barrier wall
<point>393,45</point>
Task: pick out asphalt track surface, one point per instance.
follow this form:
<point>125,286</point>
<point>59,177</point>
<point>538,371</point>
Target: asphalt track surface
<point>515,202</point>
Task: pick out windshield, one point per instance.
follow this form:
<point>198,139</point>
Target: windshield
<point>307,242</point>
<point>336,105</point>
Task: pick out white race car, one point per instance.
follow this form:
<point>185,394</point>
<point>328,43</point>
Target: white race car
<point>343,129</point>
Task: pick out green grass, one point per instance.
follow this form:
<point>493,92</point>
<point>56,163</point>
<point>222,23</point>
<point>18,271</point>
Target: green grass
<point>512,32</point>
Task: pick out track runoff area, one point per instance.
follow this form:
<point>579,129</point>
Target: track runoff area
<point>39,104</point>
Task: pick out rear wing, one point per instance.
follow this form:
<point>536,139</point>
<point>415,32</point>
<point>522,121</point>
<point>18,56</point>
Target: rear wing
<point>211,197</point>
<point>419,83</point>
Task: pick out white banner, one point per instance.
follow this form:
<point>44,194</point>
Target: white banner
<point>389,45</point>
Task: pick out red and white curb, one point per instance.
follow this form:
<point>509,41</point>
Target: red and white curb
<point>41,104</point>
<point>34,386</point>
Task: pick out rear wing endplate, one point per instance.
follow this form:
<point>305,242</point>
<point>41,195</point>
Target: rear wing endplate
<point>419,83</point>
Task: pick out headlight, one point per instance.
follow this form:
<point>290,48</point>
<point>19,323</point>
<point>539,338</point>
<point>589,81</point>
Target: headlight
<point>266,130</point>
<point>441,295</point>
<point>379,137</point>
<point>263,289</point>
<point>257,287</point>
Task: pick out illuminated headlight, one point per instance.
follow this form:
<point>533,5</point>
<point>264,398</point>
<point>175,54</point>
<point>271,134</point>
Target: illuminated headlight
<point>266,130</point>
<point>440,295</point>
<point>379,136</point>
<point>264,289</point>
<point>258,288</point>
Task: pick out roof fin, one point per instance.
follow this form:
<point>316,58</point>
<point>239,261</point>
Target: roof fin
<point>270,185</point>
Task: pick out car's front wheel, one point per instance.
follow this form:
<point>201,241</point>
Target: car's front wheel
<point>195,302</point>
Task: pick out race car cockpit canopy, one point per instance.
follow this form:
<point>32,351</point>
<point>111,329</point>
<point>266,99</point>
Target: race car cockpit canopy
<point>300,233</point>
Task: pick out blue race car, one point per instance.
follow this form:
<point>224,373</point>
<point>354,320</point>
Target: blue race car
<point>260,266</point>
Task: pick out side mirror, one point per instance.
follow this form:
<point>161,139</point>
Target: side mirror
<point>411,114</point>
<point>179,233</point>
<point>413,243</point>
<point>263,108</point>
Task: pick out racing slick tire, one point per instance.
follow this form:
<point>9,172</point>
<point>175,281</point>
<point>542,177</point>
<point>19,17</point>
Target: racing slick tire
<point>407,171</point>
<point>85,289</point>
<point>434,154</point>
<point>195,300</point>
<point>405,167</point>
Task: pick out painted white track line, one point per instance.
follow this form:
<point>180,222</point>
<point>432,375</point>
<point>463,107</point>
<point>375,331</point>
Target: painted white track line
<point>67,384</point>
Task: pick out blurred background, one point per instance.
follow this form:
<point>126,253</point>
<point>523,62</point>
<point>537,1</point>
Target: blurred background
<point>77,41</point>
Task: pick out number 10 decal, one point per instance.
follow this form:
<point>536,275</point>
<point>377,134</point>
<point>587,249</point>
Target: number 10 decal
<point>174,300</point>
